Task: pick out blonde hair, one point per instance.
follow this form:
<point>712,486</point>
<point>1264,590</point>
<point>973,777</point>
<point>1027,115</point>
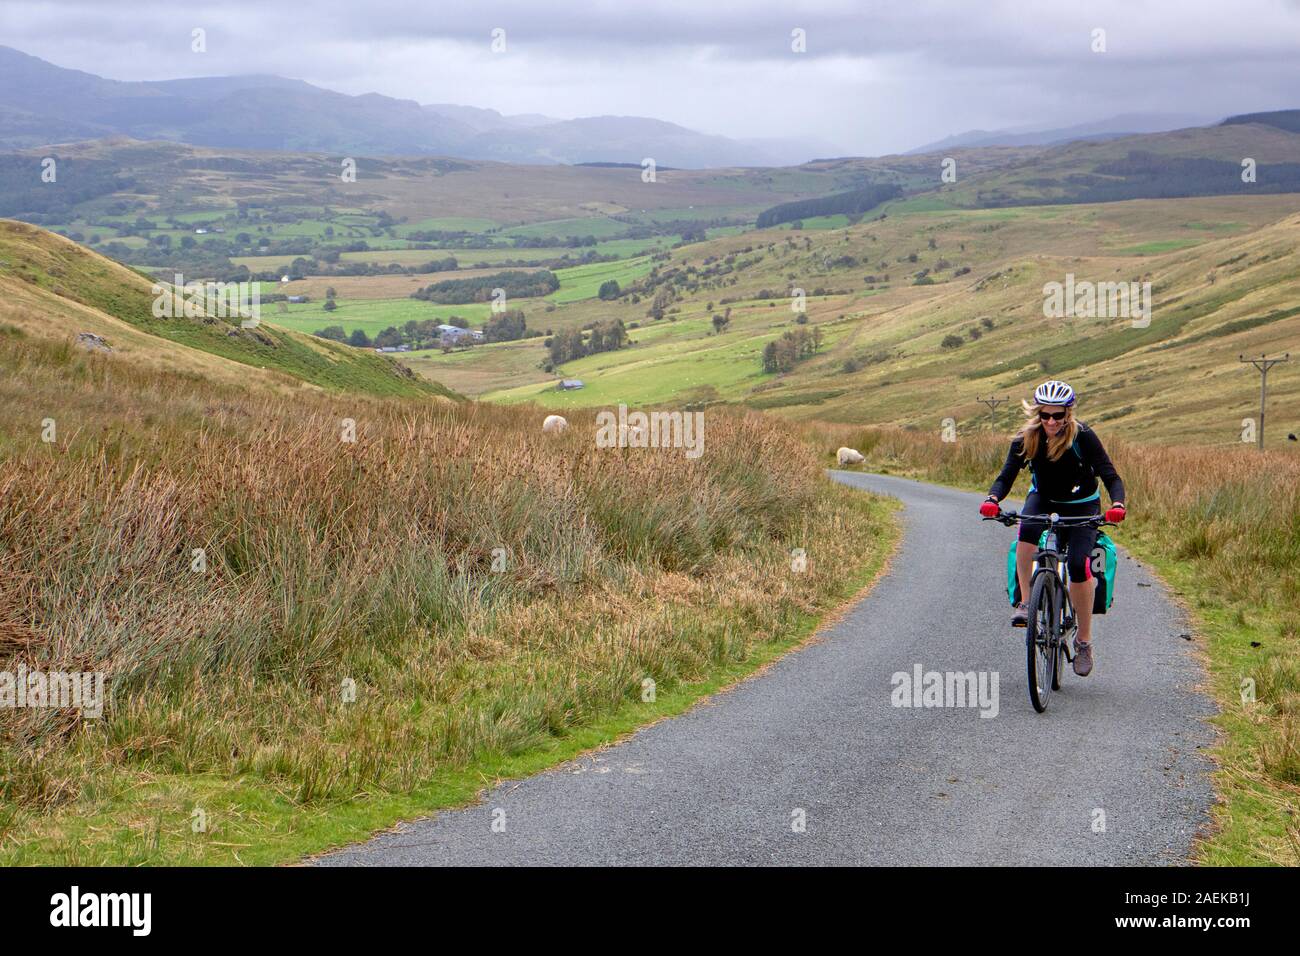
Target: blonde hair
<point>1032,432</point>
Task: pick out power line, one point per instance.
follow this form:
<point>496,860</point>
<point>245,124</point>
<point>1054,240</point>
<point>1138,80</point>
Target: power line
<point>993,404</point>
<point>1263,364</point>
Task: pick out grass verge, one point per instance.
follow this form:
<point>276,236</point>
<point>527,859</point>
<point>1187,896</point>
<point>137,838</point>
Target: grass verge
<point>248,822</point>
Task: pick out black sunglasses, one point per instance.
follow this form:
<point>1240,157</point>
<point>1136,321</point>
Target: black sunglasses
<point>1054,416</point>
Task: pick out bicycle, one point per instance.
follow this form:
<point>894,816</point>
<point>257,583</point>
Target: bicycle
<point>1051,622</point>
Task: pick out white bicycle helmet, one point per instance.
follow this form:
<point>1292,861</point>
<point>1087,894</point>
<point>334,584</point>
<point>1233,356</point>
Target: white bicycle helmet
<point>1054,393</point>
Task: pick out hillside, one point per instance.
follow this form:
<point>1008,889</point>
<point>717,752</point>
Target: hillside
<point>53,289</point>
<point>1224,276</point>
<point>1202,161</point>
<point>885,286</point>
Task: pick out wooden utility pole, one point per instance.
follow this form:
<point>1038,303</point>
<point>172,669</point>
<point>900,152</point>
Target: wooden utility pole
<point>993,404</point>
<point>1263,364</point>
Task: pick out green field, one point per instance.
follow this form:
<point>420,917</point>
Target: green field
<point>447,224</point>
<point>838,221</point>
<point>370,315</point>
<point>597,226</point>
<point>583,282</point>
<point>1158,246</point>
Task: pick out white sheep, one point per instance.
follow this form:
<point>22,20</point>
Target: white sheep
<point>847,456</point>
<point>554,423</point>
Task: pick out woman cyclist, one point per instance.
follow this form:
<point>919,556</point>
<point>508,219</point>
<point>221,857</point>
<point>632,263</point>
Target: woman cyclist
<point>1065,458</point>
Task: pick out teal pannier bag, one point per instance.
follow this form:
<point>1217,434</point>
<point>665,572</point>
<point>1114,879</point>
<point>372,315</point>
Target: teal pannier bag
<point>1105,565</point>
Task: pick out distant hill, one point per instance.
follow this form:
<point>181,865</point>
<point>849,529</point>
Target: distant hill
<point>41,103</point>
<point>1288,120</point>
<point>1114,127</point>
<point>1186,162</point>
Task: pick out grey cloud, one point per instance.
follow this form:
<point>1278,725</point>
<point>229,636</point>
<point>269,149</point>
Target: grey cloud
<point>886,75</point>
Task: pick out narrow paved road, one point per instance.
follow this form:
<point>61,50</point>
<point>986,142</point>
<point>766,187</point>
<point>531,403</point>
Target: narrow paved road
<point>817,738</point>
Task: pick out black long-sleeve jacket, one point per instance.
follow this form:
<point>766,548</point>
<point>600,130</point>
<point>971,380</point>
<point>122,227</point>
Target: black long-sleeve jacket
<point>1071,479</point>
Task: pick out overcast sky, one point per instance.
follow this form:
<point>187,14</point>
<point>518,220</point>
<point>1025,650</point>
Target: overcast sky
<point>878,76</point>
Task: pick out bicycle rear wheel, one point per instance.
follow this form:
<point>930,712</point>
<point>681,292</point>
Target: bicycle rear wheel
<point>1041,645</point>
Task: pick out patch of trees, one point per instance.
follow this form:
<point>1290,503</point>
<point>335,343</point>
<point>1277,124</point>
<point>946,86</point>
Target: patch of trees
<point>545,242</point>
<point>609,289</point>
<point>194,262</point>
<point>24,195</point>
<point>516,285</point>
<point>791,348</point>
<point>505,326</point>
<point>852,203</point>
<point>322,267</point>
<point>1288,120</point>
<point>565,346</point>
<point>1145,175</point>
<point>858,362</point>
<point>417,333</point>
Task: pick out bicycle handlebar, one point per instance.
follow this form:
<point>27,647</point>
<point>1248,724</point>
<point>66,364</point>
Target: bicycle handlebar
<point>1009,518</point>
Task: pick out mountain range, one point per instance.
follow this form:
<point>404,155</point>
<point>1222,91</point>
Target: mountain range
<point>41,103</point>
<point>1127,124</point>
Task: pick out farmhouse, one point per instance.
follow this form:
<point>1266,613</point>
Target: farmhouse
<point>454,333</point>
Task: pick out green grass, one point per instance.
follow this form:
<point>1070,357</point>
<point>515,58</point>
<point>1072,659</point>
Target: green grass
<point>597,226</point>
<point>1157,246</point>
<point>918,204</point>
<point>584,282</point>
<point>371,315</point>
<point>447,224</point>
<point>1249,811</point>
<point>1216,226</point>
<point>837,221</point>
<point>684,213</point>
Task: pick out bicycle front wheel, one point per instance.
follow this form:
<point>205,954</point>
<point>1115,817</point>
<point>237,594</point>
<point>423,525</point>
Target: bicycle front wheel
<point>1041,635</point>
<point>1063,613</point>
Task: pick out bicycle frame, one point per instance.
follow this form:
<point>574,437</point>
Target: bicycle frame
<point>1056,562</point>
<point>1047,640</point>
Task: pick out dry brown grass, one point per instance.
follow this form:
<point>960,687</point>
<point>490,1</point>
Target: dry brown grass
<point>371,562</point>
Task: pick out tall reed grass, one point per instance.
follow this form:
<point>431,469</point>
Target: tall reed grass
<point>236,566</point>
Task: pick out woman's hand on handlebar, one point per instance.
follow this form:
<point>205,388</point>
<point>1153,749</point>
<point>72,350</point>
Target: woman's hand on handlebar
<point>989,509</point>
